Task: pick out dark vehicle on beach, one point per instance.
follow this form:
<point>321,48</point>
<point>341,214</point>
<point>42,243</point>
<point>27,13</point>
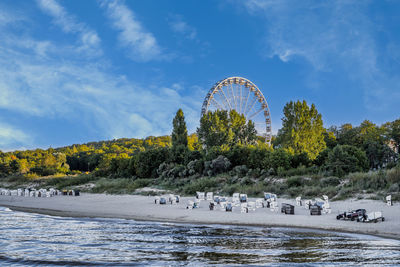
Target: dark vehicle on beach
<point>341,216</point>
<point>355,214</point>
<point>352,215</point>
<point>315,209</point>
<point>287,208</point>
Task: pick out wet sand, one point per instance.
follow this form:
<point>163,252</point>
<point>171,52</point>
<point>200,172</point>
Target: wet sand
<point>143,208</point>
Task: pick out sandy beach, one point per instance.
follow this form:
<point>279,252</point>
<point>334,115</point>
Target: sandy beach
<point>143,208</point>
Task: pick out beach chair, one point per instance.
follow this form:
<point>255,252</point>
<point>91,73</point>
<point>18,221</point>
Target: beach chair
<point>315,209</point>
<point>211,206</point>
<point>243,208</point>
<point>20,192</point>
<point>259,203</point>
<point>267,196</point>
<point>210,196</point>
<point>14,193</point>
<point>389,200</point>
<point>190,205</point>
<point>26,192</point>
<point>274,206</point>
<point>236,198</point>
<point>251,205</point>
<point>307,204</point>
<point>200,195</point>
<point>171,199</point>
<point>163,200</point>
<point>326,208</point>
<point>298,201</point>
<point>223,205</point>
<point>228,207</point>
<point>32,193</point>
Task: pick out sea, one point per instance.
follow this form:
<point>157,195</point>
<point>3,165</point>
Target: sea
<point>30,239</point>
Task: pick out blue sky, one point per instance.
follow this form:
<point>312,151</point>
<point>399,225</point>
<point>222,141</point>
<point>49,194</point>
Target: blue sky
<point>79,71</point>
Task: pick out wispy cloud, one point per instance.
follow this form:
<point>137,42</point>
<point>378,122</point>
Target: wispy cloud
<point>12,138</point>
<point>89,40</point>
<point>141,44</point>
<point>330,35</point>
<point>178,25</point>
<point>35,83</point>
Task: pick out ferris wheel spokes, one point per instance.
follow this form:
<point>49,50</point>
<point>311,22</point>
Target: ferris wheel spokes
<point>229,94</point>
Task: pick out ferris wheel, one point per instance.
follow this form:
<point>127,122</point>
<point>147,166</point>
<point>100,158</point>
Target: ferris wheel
<point>243,96</point>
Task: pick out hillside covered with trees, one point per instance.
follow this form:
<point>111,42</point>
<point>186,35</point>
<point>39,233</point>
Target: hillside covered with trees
<point>226,155</point>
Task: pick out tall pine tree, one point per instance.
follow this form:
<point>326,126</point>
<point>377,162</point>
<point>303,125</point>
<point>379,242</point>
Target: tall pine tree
<point>179,132</point>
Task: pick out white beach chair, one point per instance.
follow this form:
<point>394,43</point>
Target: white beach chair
<point>307,204</point>
<point>20,192</point>
<point>190,205</point>
<point>27,192</point>
<point>200,195</point>
<point>223,205</point>
<point>274,206</point>
<point>251,205</point>
<point>326,208</point>
<point>14,193</point>
<point>210,196</point>
<point>236,198</point>
<point>298,201</point>
<point>243,208</point>
<point>32,193</point>
<point>260,203</point>
<point>389,200</point>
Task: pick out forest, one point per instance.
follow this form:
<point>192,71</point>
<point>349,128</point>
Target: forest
<point>225,154</point>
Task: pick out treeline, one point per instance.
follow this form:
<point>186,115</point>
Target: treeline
<point>224,142</point>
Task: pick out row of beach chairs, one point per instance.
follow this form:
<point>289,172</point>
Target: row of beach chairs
<point>171,199</point>
<point>32,192</point>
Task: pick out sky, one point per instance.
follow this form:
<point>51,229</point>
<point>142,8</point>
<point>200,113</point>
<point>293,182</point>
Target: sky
<point>78,71</point>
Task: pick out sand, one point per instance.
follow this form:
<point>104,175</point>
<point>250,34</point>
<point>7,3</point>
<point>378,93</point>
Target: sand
<point>143,208</point>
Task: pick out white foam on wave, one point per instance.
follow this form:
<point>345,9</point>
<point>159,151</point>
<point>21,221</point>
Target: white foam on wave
<point>5,209</point>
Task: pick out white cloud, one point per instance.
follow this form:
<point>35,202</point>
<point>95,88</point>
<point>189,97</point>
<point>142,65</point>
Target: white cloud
<point>331,36</point>
<point>113,105</point>
<point>11,137</point>
<point>89,40</point>
<point>178,25</point>
<point>142,44</point>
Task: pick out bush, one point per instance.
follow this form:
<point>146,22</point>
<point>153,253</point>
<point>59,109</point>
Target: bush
<point>203,185</point>
<point>240,170</point>
<point>294,182</point>
<point>219,165</point>
<point>329,181</point>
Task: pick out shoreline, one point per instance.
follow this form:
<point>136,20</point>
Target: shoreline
<point>79,215</point>
<point>142,208</point>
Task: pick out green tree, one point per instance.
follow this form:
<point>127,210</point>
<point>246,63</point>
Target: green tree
<point>179,131</point>
<point>220,128</point>
<point>302,130</point>
<point>344,159</point>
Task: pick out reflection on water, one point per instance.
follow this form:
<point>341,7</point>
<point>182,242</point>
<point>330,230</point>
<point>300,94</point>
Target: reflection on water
<point>34,239</point>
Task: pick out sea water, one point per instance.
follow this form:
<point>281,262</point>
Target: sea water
<point>29,239</point>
